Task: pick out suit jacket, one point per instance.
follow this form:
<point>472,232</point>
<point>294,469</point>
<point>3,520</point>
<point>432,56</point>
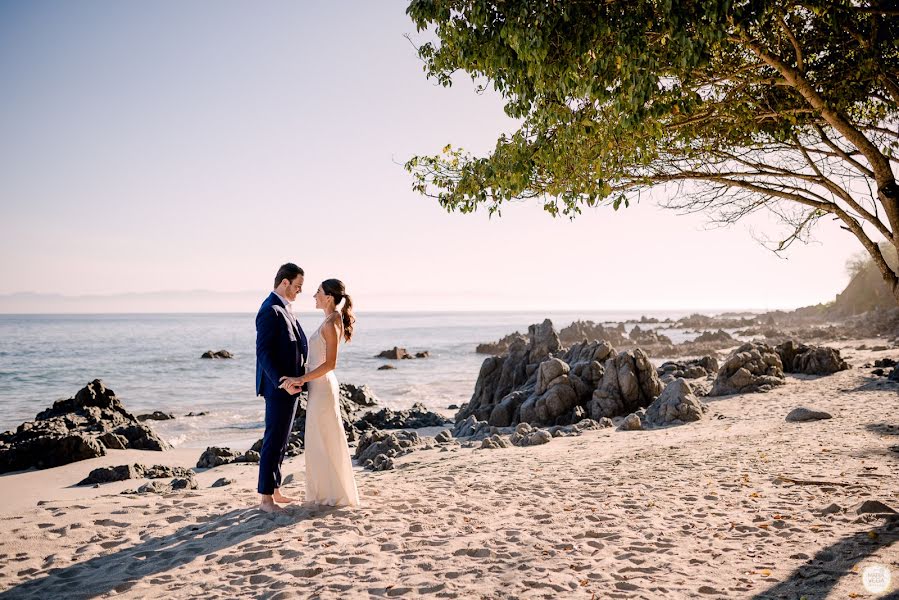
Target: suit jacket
<point>281,347</point>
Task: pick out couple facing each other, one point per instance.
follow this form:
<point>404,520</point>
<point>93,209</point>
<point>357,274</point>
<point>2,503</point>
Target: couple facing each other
<point>288,363</point>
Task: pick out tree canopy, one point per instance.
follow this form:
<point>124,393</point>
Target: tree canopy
<point>747,105</point>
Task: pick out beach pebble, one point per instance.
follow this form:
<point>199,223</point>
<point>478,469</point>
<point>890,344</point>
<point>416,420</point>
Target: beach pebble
<point>222,481</point>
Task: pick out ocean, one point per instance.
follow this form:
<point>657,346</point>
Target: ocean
<point>152,362</point>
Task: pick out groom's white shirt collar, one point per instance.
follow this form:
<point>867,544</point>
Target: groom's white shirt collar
<point>283,299</point>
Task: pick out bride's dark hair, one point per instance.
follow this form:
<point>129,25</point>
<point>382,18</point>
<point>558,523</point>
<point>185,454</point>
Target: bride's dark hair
<point>336,289</point>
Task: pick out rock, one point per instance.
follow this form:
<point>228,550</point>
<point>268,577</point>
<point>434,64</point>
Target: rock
<point>753,367</point>
<point>75,429</point>
<point>396,354</point>
<point>502,346</point>
<point>689,369</point>
<point>894,375</point>
<point>631,423</point>
<point>810,360</point>
<point>222,481</point>
<point>214,456</point>
<point>415,417</point>
<point>885,362</point>
<point>156,415</point>
<point>162,471</point>
<point>469,427</point>
<point>110,474</point>
<point>717,336</point>
<point>676,403</point>
<point>542,341</point>
<point>250,456</point>
<point>152,487</point>
<point>424,354</point>
<point>217,354</point>
<point>390,444</point>
<point>187,483</point>
<point>380,462</point>
<point>525,435</point>
<point>386,368</point>
<point>199,414</point>
<point>801,414</point>
<point>453,407</point>
<point>444,437</point>
<point>357,396</point>
<point>648,337</point>
<point>494,442</point>
<point>873,507</point>
<point>579,331</point>
<point>629,382</point>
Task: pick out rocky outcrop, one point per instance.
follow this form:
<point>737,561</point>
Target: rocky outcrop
<point>401,354</point>
<point>676,405</point>
<point>714,336</point>
<point>648,337</point>
<point>810,360</point>
<point>214,456</point>
<point>629,382</point>
<point>753,367</point>
<point>689,369</point>
<point>590,331</point>
<point>156,415</point>
<point>501,346</point>
<point>417,416</point>
<point>135,471</point>
<point>377,449</point>
<point>78,428</point>
<point>217,354</point>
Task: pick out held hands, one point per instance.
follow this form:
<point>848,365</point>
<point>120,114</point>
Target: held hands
<point>292,385</point>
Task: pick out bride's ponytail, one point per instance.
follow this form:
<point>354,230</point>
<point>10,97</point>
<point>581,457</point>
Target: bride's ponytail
<point>336,289</point>
<point>348,317</point>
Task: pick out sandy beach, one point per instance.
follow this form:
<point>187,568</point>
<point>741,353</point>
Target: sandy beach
<point>739,505</point>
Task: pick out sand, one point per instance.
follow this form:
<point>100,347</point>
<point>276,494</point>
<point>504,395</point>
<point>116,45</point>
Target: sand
<point>703,510</point>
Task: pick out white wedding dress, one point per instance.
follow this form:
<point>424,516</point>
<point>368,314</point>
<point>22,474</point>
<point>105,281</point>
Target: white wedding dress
<point>329,470</point>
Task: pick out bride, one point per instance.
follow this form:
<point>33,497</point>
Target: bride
<point>329,471</point>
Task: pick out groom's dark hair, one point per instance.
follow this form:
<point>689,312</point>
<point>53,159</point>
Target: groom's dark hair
<point>288,271</point>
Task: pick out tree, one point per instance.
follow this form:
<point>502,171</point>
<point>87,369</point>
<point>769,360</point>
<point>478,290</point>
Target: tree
<point>742,106</point>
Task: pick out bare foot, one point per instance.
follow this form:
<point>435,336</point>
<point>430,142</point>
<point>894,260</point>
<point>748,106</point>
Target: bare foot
<point>278,497</point>
<point>268,505</point>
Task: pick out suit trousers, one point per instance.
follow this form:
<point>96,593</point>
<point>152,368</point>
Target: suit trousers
<point>280,409</point>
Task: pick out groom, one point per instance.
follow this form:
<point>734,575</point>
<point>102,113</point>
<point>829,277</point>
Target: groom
<point>281,350</point>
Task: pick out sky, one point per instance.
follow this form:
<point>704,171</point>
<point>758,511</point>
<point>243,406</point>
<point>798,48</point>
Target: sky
<point>159,152</point>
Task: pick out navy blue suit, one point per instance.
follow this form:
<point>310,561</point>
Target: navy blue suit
<point>281,350</point>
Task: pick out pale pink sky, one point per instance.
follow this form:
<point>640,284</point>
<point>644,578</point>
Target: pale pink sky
<point>182,146</point>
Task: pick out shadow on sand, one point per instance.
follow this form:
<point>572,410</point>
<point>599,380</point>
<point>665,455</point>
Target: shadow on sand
<point>821,573</point>
<point>120,570</point>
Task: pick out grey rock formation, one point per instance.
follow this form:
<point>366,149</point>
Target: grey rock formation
<point>417,416</point>
<point>631,422</point>
<point>494,442</point>
<point>76,429</point>
<point>217,354</point>
<point>810,360</point>
<point>688,369</point>
<point>629,382</point>
<point>156,415</point>
<point>677,404</point>
<point>753,367</point>
<point>501,346</point>
<point>214,456</point>
<point>525,435</point>
<point>375,447</point>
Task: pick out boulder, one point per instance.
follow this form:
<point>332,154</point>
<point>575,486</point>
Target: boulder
<point>494,442</point>
<point>688,369</point>
<point>631,422</point>
<point>376,443</point>
<point>502,346</point>
<point>526,435</point>
<point>156,415</point>
<point>78,428</point>
<point>217,354</point>
<point>110,474</point>
<point>214,456</point>
<point>810,360</point>
<point>580,331</point>
<point>716,336</point>
<point>677,404</point>
<point>415,417</point>
<point>222,481</point>
<point>629,382</point>
<point>386,368</point>
<point>753,367</point>
<point>396,354</point>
